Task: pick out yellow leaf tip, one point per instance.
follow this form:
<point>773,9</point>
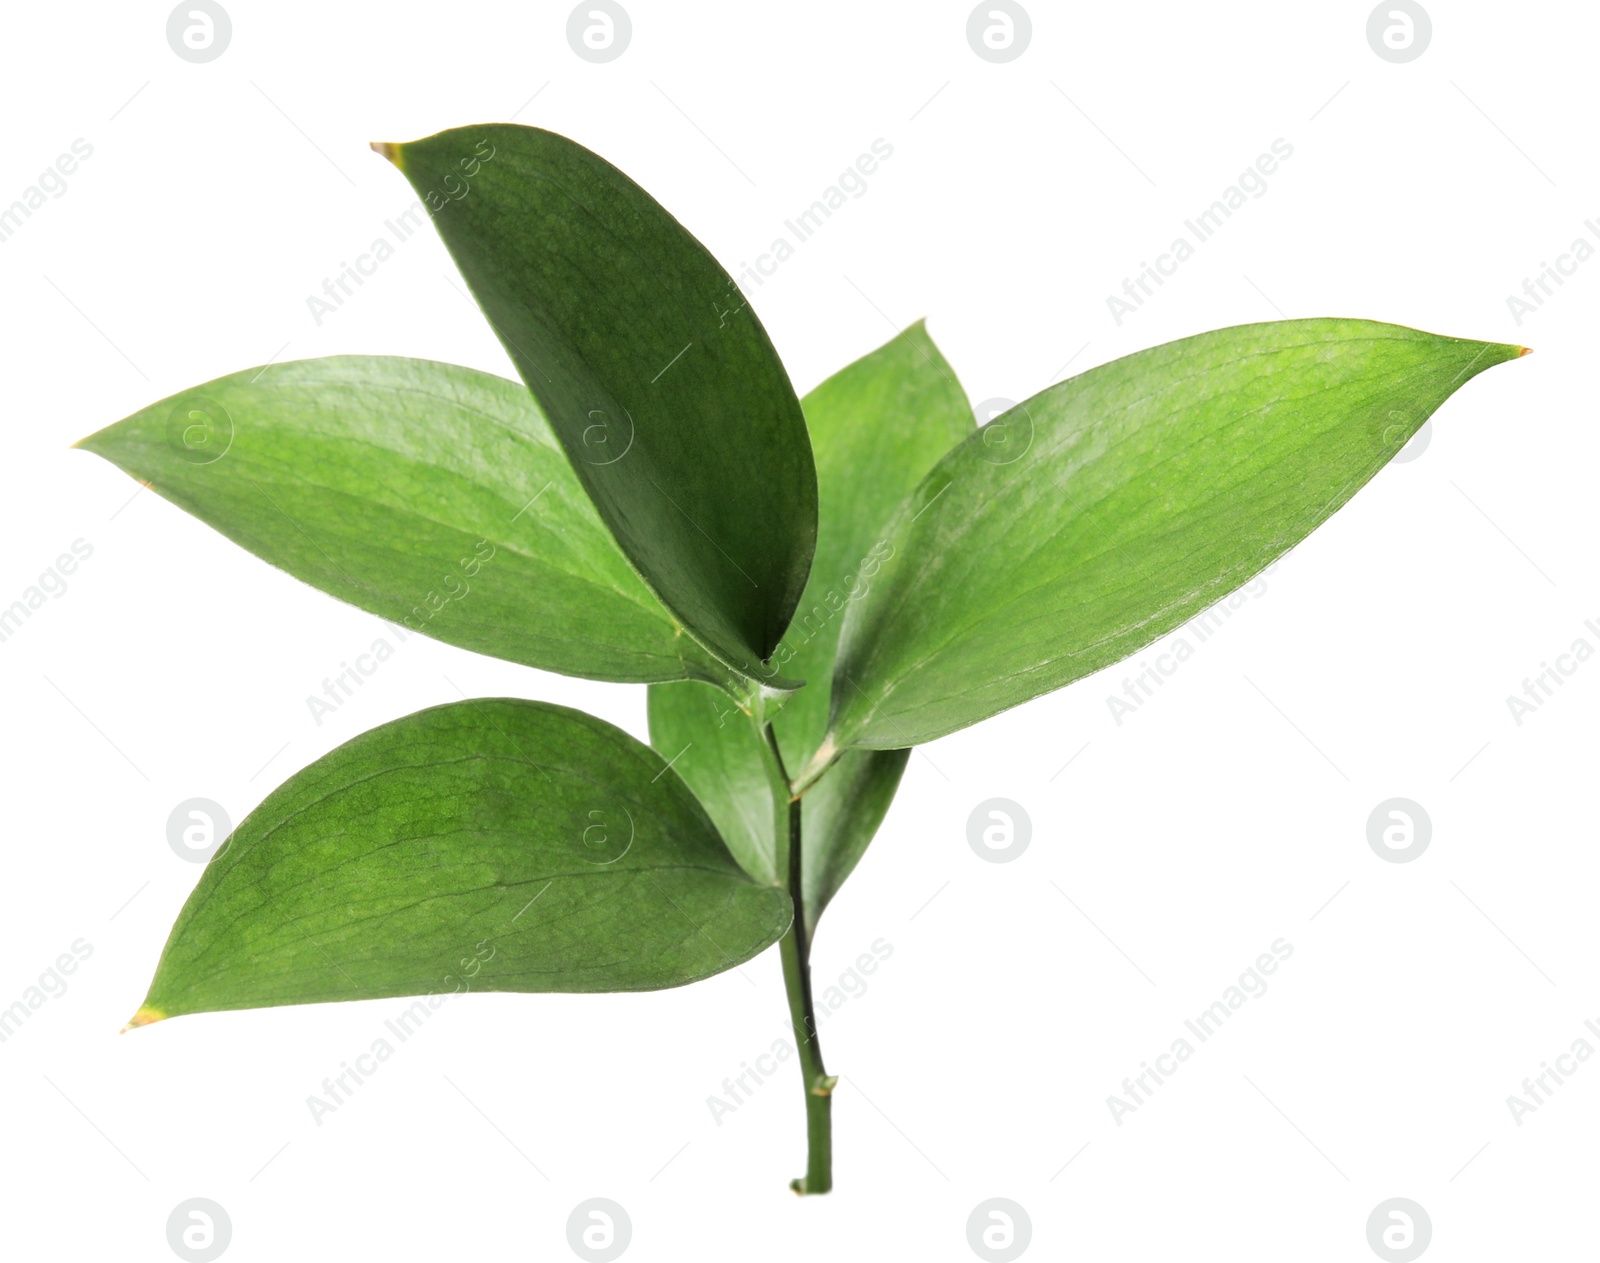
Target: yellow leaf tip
<point>146,1016</point>
<point>1524,350</point>
<point>388,150</point>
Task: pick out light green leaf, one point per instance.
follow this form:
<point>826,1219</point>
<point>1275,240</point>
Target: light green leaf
<point>496,845</point>
<point>718,752</point>
<point>430,495</point>
<point>877,427</point>
<point>654,372</point>
<point>1122,503</point>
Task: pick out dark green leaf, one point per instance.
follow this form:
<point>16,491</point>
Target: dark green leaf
<point>496,845</point>
<point>431,495</point>
<point>1120,504</point>
<point>654,371</point>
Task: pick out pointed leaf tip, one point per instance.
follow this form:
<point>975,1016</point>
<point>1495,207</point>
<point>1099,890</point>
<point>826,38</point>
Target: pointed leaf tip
<point>1524,350</point>
<point>388,150</point>
<point>1204,460</point>
<point>146,1016</point>
<point>478,462</point>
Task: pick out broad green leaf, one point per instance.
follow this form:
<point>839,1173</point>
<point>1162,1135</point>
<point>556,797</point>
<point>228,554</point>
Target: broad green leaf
<point>1120,504</point>
<point>497,845</point>
<point>876,427</point>
<point>717,750</point>
<point>654,372</point>
<point>430,495</point>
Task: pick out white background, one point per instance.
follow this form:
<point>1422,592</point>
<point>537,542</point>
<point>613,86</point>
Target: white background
<point>1175,848</point>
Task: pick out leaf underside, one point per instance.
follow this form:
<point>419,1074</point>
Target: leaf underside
<point>495,845</point>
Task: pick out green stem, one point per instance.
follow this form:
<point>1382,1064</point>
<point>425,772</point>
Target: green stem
<point>796,952</point>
